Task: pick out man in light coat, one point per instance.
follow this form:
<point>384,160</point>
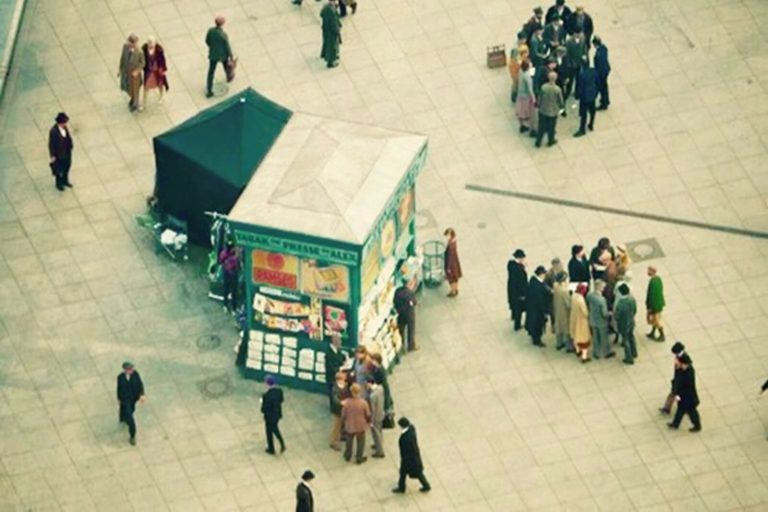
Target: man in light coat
<point>598,321</point>
<point>561,308</point>
<point>550,103</point>
<point>376,401</point>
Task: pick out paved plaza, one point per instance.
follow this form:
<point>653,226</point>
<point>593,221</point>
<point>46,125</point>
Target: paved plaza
<point>502,425</point>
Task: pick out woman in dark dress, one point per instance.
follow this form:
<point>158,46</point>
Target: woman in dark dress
<point>452,264</point>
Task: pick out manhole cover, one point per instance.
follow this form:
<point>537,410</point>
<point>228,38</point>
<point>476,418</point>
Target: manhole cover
<point>424,219</point>
<point>642,250</point>
<point>208,342</point>
<point>215,387</point>
<point>481,225</point>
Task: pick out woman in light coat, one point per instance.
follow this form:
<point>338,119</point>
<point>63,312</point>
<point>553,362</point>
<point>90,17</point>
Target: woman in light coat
<point>579,322</point>
<point>525,102</point>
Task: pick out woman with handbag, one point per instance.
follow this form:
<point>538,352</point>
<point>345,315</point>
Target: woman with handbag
<point>155,69</point>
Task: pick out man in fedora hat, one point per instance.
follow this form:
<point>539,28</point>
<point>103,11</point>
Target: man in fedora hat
<point>686,396</point>
<point>410,457</point>
<point>305,502</point>
<point>536,306</point>
<point>60,147</point>
<point>517,286</point>
<point>130,389</point>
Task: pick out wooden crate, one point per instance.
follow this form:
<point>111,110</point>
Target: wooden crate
<point>496,56</point>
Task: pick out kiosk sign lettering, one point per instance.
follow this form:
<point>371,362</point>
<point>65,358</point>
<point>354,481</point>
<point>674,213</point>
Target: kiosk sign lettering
<point>295,247</point>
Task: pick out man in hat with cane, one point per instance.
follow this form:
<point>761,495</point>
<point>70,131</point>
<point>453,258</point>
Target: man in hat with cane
<point>130,390</point>
<point>60,150</point>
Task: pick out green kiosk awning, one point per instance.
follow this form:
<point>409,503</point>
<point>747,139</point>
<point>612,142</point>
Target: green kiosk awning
<point>205,163</point>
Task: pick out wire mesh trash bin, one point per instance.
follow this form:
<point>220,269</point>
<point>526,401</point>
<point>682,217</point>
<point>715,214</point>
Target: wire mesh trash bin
<point>434,263</point>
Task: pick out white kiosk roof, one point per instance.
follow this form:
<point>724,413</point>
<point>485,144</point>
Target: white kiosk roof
<point>327,178</point>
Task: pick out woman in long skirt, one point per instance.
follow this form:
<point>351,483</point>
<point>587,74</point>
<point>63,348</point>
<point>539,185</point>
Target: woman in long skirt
<point>452,264</point>
<point>155,68</point>
<point>526,99</point>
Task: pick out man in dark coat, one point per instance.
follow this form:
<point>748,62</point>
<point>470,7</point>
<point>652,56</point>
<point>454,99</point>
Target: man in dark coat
<point>334,360</point>
<point>517,286</point>
<point>410,457</point>
<point>603,69</point>
<point>272,409</point>
<point>305,502</point>
<point>578,267</point>
<point>559,10</point>
<point>687,398</point>
<point>536,306</point>
<point>331,34</point>
<point>575,56</point>
<point>678,349</point>
<point>405,305</point>
<point>60,147</point>
<point>580,21</point>
<point>219,51</point>
<point>130,390</point>
<point>586,93</point>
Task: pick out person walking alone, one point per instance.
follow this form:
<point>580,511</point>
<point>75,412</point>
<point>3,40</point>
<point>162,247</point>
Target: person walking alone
<point>452,263</point>
<point>219,51</point>
<point>305,501</point>
<point>272,409</point>
<point>130,389</point>
<point>550,103</point>
<point>410,457</point>
<point>331,33</point>
<point>60,148</point>
<point>654,305</point>
<point>686,395</point>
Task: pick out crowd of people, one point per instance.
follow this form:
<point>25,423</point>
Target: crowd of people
<point>585,303</point>
<point>550,62</point>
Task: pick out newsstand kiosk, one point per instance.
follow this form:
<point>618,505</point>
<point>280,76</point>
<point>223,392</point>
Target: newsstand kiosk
<point>327,230</point>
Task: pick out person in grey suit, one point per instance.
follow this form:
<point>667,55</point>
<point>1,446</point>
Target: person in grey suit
<point>598,321</point>
<point>625,310</point>
<point>376,401</point>
<point>550,103</point>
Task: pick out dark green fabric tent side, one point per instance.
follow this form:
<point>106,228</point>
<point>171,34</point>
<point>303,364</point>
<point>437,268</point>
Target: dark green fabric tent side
<point>205,163</point>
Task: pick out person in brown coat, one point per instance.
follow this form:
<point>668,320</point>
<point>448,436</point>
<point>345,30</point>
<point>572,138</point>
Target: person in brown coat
<point>356,416</point>
<point>579,322</point>
<point>452,264</point>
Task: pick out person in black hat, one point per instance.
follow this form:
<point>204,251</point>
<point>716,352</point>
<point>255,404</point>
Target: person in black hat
<point>554,32</point>
<point>60,148</point>
<point>404,302</point>
<point>536,306</point>
<point>517,286</point>
<point>535,23</point>
<point>272,409</point>
<point>305,502</point>
<point>578,267</point>
<point>678,349</point>
<point>684,387</point>
<point>130,389</point>
<point>410,458</point>
<point>560,10</point>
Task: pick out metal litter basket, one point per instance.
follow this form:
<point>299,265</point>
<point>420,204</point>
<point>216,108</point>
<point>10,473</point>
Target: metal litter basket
<point>434,263</point>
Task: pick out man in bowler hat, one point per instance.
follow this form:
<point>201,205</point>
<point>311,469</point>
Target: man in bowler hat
<point>678,349</point>
<point>272,409</point>
<point>410,458</point>
<point>130,389</point>
<point>687,398</point>
<point>517,286</point>
<point>536,306</point>
<point>60,147</point>
<point>305,502</point>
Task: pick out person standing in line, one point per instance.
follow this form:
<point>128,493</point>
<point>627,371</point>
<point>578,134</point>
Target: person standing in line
<point>305,502</point>
<point>131,66</point>
<point>376,402</point>
<point>404,302</point>
<point>130,389</point>
<point>525,99</point>
<point>686,395</point>
<point>561,307</point>
<point>155,69</point>
<point>356,418</point>
<point>586,93</point>
<point>603,69</point>
<point>578,267</point>
<point>654,305</point>
<point>219,51</point>
<point>579,322</point>
<point>339,393</point>
<point>536,306</point>
<point>60,148</point>
<point>331,34</point>
<point>230,266</point>
<point>452,263</point>
<point>517,286</point>
<point>625,310</point>
<point>272,409</point>
<point>410,457</point>
<point>678,349</point>
<point>598,321</point>
<point>550,103</point>
<point>334,360</point>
